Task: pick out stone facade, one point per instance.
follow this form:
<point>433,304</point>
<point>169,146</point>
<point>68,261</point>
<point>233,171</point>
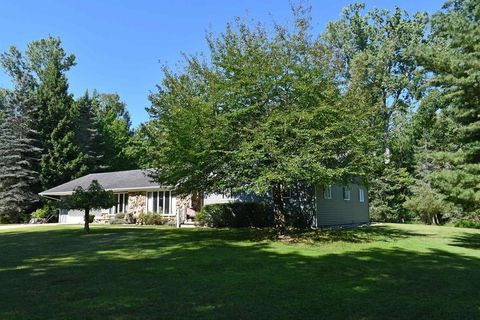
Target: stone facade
<point>184,202</point>
<point>137,203</point>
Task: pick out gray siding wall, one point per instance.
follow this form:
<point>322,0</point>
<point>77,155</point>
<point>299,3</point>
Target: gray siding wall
<point>337,211</point>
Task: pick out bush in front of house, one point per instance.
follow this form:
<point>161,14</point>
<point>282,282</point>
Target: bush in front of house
<point>120,216</point>
<point>151,219</point>
<point>235,215</point>
<point>91,217</point>
<point>40,213</point>
<point>47,213</point>
<point>116,221</point>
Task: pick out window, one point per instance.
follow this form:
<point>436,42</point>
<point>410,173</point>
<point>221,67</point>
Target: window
<point>346,193</point>
<point>159,202</point>
<point>361,195</point>
<point>327,192</point>
<point>122,202</point>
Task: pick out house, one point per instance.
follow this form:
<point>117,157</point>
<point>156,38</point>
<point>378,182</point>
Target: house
<point>136,193</point>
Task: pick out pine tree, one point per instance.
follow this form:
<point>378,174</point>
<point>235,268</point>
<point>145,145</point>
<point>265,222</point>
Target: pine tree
<point>46,62</point>
<point>62,159</point>
<point>428,203</point>
<point>87,135</point>
<point>19,154</point>
<point>453,56</point>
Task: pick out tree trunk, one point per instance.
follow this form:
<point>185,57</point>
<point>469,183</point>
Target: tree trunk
<point>278,208</point>
<point>86,228</point>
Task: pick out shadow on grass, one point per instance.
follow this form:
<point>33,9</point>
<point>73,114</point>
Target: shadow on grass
<point>204,274</point>
<point>364,234</point>
<point>467,240</point>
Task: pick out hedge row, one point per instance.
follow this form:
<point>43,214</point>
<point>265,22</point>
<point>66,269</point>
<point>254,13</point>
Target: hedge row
<point>235,215</point>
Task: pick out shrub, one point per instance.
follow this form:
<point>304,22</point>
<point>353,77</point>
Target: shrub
<point>235,215</point>
<point>48,212</point>
<point>120,215</point>
<point>40,213</point>
<point>91,217</point>
<point>151,219</point>
<point>116,221</point>
<point>467,224</point>
<point>429,205</point>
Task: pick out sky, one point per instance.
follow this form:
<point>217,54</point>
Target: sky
<point>120,45</point>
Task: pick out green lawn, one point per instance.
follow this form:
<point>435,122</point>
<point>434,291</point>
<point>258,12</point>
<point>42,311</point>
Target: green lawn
<point>380,272</point>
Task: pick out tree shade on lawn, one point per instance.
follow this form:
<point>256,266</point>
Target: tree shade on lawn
<point>380,272</point>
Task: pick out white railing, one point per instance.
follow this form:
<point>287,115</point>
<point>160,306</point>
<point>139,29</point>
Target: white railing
<point>181,216</point>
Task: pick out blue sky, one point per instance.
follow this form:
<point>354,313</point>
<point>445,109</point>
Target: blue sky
<point>119,44</point>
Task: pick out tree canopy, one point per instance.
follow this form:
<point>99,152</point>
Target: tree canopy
<point>94,197</point>
<point>263,115</point>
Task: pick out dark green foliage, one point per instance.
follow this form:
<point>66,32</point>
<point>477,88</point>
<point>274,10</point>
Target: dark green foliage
<point>388,192</point>
<point>76,138</point>
<point>263,115</point>
<point>141,148</point>
<point>235,215</point>
<point>428,203</point>
<point>372,52</point>
<point>467,224</point>
<point>19,154</point>
<point>87,135</point>
<point>94,197</point>
<point>3,94</point>
<point>46,63</point>
<point>452,56</point>
<point>115,130</point>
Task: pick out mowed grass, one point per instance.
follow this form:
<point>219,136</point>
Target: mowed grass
<point>379,272</point>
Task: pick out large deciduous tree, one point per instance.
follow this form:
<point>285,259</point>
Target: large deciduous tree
<point>115,129</point>
<point>265,114</point>
<point>373,53</point>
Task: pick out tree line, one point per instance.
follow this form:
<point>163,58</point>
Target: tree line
<point>46,136</point>
<point>387,97</point>
<point>382,96</point>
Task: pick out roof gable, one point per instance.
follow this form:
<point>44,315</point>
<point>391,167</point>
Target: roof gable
<point>115,181</point>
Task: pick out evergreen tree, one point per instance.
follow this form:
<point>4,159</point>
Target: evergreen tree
<point>19,154</point>
<point>87,135</point>
<point>3,94</point>
<point>63,159</point>
<point>391,190</point>
<point>426,202</point>
<point>46,62</point>
<point>140,150</point>
<point>455,42</point>
<point>115,129</point>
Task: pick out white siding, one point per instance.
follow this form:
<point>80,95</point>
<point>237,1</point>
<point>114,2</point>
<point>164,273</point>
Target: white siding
<point>218,198</point>
<point>76,216</point>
